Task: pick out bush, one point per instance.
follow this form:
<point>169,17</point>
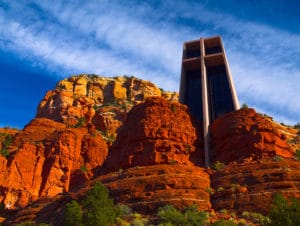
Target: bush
<point>80,123</point>
<point>256,218</point>
<point>169,215</point>
<point>5,144</point>
<point>73,214</point>
<point>138,220</point>
<point>98,208</point>
<point>297,154</point>
<point>29,223</point>
<point>123,210</point>
<point>244,105</point>
<point>173,108</point>
<point>218,166</point>
<point>4,152</point>
<point>224,223</point>
<point>297,126</point>
<point>277,158</point>
<point>284,212</point>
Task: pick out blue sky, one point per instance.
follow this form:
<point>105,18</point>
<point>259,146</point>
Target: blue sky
<point>42,42</point>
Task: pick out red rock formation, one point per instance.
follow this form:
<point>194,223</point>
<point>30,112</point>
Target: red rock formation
<point>109,118</point>
<point>43,159</point>
<point>144,189</point>
<point>156,132</point>
<point>90,97</point>
<point>251,186</point>
<point>147,188</point>
<point>245,134</point>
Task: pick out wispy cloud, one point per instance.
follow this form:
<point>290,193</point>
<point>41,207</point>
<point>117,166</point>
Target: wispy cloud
<point>146,40</point>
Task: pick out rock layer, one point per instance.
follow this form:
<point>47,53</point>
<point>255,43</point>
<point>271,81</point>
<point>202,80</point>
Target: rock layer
<point>147,188</point>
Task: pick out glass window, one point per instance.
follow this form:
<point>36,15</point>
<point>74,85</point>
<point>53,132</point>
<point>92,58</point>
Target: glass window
<point>220,97</point>
<point>193,94</point>
<point>212,50</point>
<point>192,53</point>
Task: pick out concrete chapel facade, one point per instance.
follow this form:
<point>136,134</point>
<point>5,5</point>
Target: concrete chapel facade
<point>206,84</point>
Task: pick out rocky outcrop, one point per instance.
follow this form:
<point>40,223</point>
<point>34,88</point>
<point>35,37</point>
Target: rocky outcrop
<point>79,96</point>
<point>260,162</point>
<point>251,186</point>
<point>98,100</point>
<point>156,132</point>
<point>146,188</point>
<point>245,135</point>
<point>44,160</point>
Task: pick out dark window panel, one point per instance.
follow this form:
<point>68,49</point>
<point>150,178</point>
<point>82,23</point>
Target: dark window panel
<point>212,50</point>
<point>193,97</point>
<point>221,101</point>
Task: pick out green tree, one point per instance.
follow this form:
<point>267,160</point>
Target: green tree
<point>73,214</point>
<point>98,208</point>
<point>284,212</point>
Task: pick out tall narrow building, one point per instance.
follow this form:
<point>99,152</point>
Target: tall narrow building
<point>206,84</point>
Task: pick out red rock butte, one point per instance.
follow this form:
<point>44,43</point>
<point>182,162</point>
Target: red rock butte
<point>147,150</point>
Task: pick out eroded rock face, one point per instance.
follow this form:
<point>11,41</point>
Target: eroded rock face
<point>156,132</point>
<point>144,189</point>
<point>252,186</point>
<point>147,188</point>
<point>44,159</point>
<point>79,96</point>
<point>246,135</point>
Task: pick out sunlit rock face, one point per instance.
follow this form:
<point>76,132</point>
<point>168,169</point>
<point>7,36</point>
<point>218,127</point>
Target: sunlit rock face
<point>47,159</point>
<point>245,134</point>
<point>156,132</point>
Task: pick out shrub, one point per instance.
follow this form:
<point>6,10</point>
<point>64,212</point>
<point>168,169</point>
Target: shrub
<point>284,212</point>
<point>244,105</point>
<point>4,152</point>
<point>277,158</point>
<point>173,108</point>
<point>172,162</point>
<point>5,144</point>
<point>220,189</point>
<point>123,210</point>
<point>218,166</point>
<point>73,215</point>
<point>297,126</point>
<point>80,122</point>
<point>256,218</point>
<point>210,190</point>
<point>138,220</point>
<point>29,223</point>
<point>98,208</point>
<point>83,169</point>
<point>224,223</point>
<point>169,215</point>
<point>297,154</point>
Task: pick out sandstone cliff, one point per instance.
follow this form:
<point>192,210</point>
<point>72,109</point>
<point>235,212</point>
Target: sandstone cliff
<point>157,132</point>
<point>105,101</point>
<point>46,159</point>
